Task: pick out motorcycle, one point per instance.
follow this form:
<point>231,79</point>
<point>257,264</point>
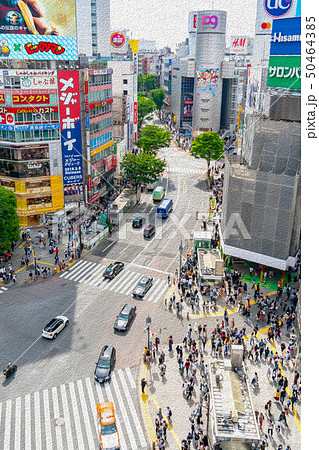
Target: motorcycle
<point>9,371</point>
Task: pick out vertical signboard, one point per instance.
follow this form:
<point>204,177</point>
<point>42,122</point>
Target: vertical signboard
<point>188,105</point>
<point>70,123</point>
<point>43,29</point>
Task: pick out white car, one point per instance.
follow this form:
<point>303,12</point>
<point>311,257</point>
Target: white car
<point>53,328</point>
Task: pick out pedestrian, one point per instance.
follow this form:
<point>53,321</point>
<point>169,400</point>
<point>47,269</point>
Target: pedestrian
<point>30,275</point>
<point>270,428</point>
<point>160,414</point>
<point>282,395</point>
<point>170,343</point>
<point>169,413</point>
<point>261,419</point>
<point>277,395</point>
<point>143,384</point>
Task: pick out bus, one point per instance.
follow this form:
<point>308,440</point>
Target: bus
<point>164,208</point>
<point>158,193</point>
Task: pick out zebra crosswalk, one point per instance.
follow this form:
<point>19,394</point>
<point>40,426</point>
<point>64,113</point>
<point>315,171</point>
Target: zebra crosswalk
<point>3,289</point>
<point>90,273</point>
<point>64,417</point>
<point>185,170</point>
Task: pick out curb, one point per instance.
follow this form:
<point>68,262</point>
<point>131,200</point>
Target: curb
<point>144,407</point>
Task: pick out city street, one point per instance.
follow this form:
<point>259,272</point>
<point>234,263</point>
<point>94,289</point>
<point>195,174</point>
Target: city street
<point>51,400</point>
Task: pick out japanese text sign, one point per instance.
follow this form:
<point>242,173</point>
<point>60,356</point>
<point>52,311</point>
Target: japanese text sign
<point>70,124</point>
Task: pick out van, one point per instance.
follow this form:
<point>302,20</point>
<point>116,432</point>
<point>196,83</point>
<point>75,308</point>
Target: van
<point>149,231</point>
<point>158,193</point>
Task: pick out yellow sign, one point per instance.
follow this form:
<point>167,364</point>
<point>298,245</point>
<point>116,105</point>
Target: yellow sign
<point>103,147</point>
<point>134,44</point>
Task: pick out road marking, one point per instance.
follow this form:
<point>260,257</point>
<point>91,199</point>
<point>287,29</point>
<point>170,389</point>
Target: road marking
<point>7,425</point>
<point>78,276</point>
<point>99,391</point>
<point>75,409</point>
<point>124,413</point>
<point>56,415</point>
<point>85,416</point>
<point>74,266</point>
<point>109,396</point>
<point>27,426</point>
<point>132,282</point>
<point>37,420</point>
<point>92,401</point>
<point>113,242</point>
<point>132,409</point>
<point>114,283</point>
<point>130,377</point>
<point>66,415</point>
<point>96,275</point>
<point>70,274</point>
<point>160,288</point>
<point>47,419</point>
<point>145,410</point>
<point>127,280</point>
<point>171,429</point>
<point>17,435</point>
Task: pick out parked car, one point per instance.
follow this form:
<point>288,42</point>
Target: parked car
<point>125,317</point>
<point>149,231</point>
<point>137,222</point>
<point>105,364</point>
<point>108,433</point>
<point>142,286</point>
<point>54,327</point>
<point>113,269</point>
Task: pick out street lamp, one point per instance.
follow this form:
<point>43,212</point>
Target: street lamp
<point>148,321</point>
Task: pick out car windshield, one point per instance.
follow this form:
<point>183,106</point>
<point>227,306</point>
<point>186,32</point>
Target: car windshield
<point>105,363</point>
<point>160,210</point>
<point>109,270</point>
<point>108,429</point>
<point>123,316</point>
<point>141,284</point>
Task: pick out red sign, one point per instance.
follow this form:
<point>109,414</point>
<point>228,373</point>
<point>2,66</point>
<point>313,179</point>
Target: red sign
<point>117,40</point>
<point>2,99</point>
<point>89,184</point>
<point>30,98</point>
<point>135,113</point>
<point>101,103</point>
<point>6,119</point>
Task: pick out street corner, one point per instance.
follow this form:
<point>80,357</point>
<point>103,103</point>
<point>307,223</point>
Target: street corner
<point>144,403</point>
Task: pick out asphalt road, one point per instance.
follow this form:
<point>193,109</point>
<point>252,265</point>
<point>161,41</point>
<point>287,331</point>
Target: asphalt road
<point>51,400</point>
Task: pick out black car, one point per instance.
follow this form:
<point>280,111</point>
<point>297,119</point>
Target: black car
<point>142,286</point>
<point>125,318</point>
<point>113,269</point>
<point>137,222</point>
<point>105,364</point>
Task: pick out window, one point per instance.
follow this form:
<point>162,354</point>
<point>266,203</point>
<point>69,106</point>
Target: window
<point>124,92</point>
<point>124,81</point>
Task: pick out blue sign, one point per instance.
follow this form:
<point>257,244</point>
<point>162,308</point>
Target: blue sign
<point>277,8</point>
<point>41,126</point>
<point>298,8</point>
<point>286,37</point>
<point>7,127</point>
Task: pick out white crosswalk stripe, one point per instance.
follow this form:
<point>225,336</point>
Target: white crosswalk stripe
<point>91,273</point>
<point>32,422</point>
<point>3,289</point>
<point>185,170</point>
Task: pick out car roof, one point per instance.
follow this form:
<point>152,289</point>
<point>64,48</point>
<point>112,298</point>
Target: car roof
<point>126,309</point>
<point>144,279</point>
<point>149,226</point>
<point>107,350</point>
<point>137,218</point>
<point>106,410</point>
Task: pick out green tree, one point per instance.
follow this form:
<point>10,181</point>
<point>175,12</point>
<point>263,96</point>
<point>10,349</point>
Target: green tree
<point>140,83</point>
<point>9,220</point>
<point>142,168</point>
<point>150,82</point>
<point>208,146</point>
<point>158,96</point>
<point>152,138</point>
<point>145,106</point>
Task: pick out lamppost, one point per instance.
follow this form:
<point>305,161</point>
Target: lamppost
<point>148,321</point>
<point>180,260</point>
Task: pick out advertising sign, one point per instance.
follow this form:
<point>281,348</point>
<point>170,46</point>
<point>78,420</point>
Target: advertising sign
<point>284,72</point>
<point>135,112</point>
<point>207,81</point>
<point>188,105</point>
<point>45,29</point>
<point>34,99</point>
<point>70,122</point>
<point>211,21</point>
<point>286,37</point>
<point>192,22</point>
<point>267,10</point>
<point>255,94</point>
<point>238,44</point>
<point>117,40</point>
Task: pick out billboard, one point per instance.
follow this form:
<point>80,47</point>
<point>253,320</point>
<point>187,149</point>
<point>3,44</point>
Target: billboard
<point>286,37</point>
<point>70,123</point>
<point>207,81</point>
<point>117,40</point>
<point>192,22</point>
<point>188,105</point>
<point>284,72</point>
<point>255,89</point>
<point>238,44</point>
<point>42,29</point>
<point>267,10</point>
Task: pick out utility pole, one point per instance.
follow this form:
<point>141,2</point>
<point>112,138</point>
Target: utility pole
<point>180,260</point>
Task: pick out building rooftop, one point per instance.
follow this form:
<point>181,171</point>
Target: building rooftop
<point>210,263</point>
<point>232,409</point>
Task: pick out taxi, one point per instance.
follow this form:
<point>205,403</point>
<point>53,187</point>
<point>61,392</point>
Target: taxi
<point>108,433</point>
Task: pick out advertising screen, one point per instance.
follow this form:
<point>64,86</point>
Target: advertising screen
<point>188,105</point>
<point>286,37</point>
<point>284,72</point>
<point>70,122</point>
<point>38,29</point>
<point>207,81</point>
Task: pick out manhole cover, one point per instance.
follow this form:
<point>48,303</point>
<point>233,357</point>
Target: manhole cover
<point>59,421</point>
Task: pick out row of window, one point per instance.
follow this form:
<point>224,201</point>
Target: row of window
<point>97,111</point>
<point>24,169</point>
<point>95,96</point>
<point>101,125</point>
<point>24,154</point>
<point>29,135</point>
<point>32,117</point>
<point>98,80</point>
<point>101,155</point>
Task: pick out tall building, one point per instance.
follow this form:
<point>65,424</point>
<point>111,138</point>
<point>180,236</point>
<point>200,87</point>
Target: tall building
<point>93,27</point>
